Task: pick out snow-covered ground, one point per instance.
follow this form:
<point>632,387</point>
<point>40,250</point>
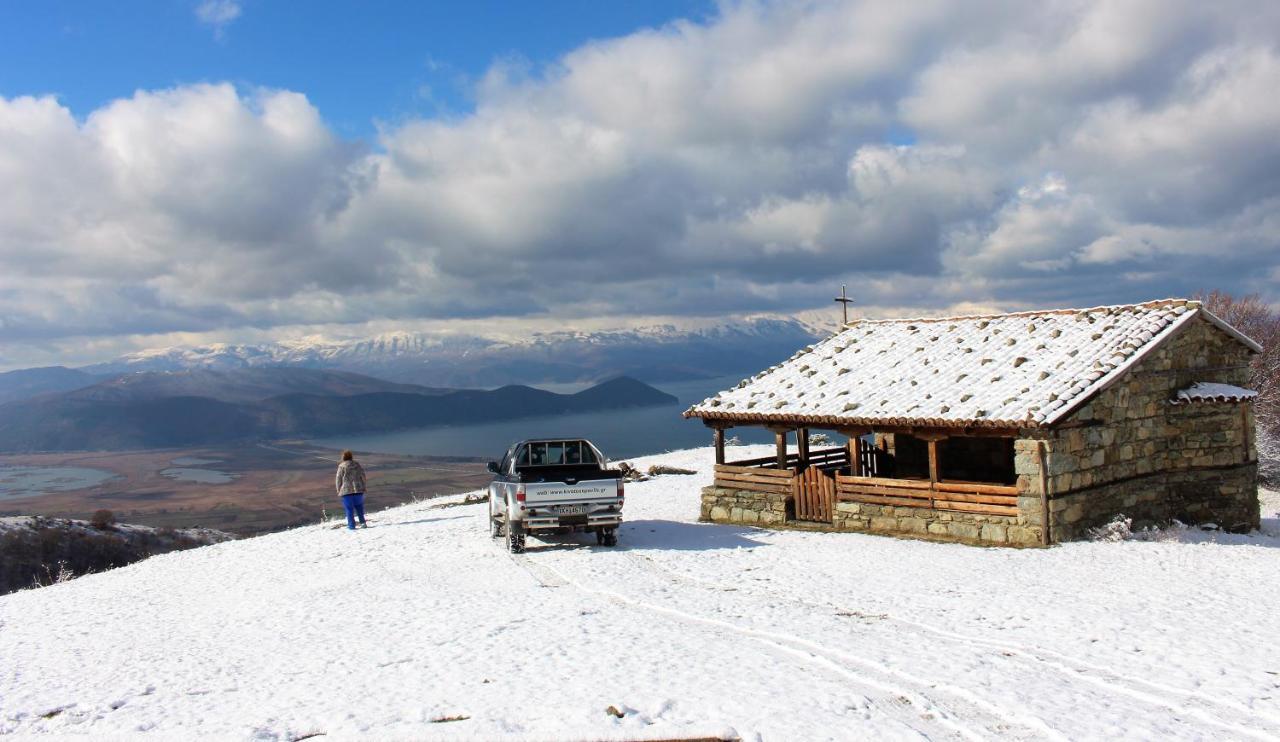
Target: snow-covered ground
<point>686,629</point>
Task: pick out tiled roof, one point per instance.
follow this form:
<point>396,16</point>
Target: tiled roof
<point>1205,391</point>
<point>1012,370</point>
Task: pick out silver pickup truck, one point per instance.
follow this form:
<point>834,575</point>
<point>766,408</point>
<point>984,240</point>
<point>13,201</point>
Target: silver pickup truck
<point>554,485</point>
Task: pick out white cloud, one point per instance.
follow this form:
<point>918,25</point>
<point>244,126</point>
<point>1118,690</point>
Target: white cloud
<point>218,13</point>
<point>1072,152</point>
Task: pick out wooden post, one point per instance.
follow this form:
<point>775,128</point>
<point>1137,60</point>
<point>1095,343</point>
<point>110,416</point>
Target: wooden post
<point>802,442</point>
<point>780,436</point>
<point>719,437</point>
<point>855,456</point>
<point>933,460</point>
<point>1042,450</point>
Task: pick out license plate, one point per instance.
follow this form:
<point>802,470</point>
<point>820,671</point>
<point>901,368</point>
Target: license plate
<point>573,509</point>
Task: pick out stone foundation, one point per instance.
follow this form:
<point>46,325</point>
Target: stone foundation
<point>743,507</point>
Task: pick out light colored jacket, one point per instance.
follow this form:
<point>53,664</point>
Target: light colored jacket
<point>350,478</point>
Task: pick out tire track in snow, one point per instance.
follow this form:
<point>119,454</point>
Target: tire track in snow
<point>918,707</point>
<point>1040,658</point>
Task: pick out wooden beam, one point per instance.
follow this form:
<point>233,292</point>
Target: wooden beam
<point>719,437</point>
<point>855,456</point>
<point>780,438</point>
<point>933,459</point>
<point>802,443</point>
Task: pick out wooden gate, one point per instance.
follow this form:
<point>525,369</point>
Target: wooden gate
<point>815,491</point>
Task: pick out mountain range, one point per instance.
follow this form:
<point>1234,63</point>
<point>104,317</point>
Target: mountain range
<point>656,353</point>
<point>201,407</point>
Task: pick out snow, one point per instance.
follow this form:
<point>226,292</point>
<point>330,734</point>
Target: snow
<point>1207,391</point>
<point>1017,369</point>
<point>688,629</point>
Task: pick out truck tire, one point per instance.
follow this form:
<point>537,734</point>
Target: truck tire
<point>515,539</point>
<point>495,527</point>
<point>610,537</point>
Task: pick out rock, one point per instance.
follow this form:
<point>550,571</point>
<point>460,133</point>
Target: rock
<point>660,469</point>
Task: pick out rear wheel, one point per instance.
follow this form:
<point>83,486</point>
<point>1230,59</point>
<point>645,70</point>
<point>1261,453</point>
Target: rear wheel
<point>609,537</point>
<point>495,525</point>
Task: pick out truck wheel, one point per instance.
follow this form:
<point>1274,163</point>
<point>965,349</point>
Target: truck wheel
<point>495,527</point>
<point>610,537</point>
<point>515,539</point>
<point>599,536</point>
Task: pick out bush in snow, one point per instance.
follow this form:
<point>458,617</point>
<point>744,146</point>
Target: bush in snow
<point>1119,529</point>
<point>103,520</point>
<point>820,439</point>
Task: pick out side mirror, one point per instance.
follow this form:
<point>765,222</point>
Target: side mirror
<point>492,467</point>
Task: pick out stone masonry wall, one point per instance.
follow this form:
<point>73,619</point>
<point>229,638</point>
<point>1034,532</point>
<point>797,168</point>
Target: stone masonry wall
<point>723,505</point>
<point>1129,451</point>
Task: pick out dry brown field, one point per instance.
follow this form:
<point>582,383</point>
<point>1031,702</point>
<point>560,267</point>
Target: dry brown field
<point>276,485</point>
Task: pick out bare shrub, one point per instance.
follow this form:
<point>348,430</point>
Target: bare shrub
<point>103,520</point>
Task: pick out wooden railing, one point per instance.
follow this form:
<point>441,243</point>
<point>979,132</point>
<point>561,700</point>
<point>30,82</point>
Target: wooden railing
<point>740,476</point>
<point>967,497</point>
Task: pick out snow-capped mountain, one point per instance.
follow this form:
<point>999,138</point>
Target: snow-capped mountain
<point>654,353</point>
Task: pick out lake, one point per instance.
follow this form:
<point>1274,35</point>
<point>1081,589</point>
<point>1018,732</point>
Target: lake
<point>29,481</point>
<point>619,433</point>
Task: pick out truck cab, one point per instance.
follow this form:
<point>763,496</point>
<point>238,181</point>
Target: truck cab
<point>553,485</point>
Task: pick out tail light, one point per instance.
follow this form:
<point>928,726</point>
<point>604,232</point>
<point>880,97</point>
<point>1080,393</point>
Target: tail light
<point>520,493</point>
<point>621,493</point>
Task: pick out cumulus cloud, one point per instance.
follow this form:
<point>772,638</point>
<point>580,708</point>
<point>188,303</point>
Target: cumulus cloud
<point>931,155</point>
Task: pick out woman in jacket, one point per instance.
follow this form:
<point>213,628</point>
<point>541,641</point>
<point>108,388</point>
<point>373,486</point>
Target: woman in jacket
<point>350,484</point>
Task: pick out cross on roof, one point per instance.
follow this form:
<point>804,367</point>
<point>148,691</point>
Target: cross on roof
<point>845,301</point>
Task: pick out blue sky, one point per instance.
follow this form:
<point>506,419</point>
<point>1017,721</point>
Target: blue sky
<point>190,171</point>
<point>362,62</point>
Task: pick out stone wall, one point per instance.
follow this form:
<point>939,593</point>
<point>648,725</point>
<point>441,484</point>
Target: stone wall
<point>1129,451</point>
<point>724,505</point>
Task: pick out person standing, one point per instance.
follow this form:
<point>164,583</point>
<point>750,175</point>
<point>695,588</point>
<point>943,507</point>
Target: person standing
<point>350,484</point>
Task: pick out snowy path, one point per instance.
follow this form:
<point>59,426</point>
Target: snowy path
<point>423,628</point>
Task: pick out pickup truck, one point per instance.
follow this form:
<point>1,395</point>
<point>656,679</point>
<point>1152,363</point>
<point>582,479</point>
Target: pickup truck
<point>554,485</point>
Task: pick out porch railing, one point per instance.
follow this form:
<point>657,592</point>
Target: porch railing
<point>967,497</point>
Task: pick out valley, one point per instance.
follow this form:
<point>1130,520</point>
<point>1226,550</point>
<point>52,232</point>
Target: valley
<point>271,486</point>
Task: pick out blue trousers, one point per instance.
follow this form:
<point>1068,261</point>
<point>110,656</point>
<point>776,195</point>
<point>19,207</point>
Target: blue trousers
<point>354,505</point>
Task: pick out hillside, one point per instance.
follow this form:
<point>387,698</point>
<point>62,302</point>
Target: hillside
<point>126,414</point>
<point>31,382</point>
<point>35,550</point>
<point>431,631</point>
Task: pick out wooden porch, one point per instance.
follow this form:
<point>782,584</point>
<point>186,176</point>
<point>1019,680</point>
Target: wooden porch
<point>815,480</point>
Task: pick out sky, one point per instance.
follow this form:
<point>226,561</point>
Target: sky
<point>223,170</point>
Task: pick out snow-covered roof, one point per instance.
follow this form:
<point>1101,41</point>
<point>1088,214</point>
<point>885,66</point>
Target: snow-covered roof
<point>1206,391</point>
<point>1027,369</point>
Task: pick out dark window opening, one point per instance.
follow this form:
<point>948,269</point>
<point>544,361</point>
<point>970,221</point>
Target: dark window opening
<point>987,460</point>
<point>910,457</point>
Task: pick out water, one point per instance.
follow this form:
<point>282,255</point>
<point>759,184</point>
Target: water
<point>201,476</point>
<point>619,433</point>
<point>30,481</point>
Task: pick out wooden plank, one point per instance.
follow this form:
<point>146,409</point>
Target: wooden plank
<point>762,481</point>
<point>918,484</point>
<point>734,484</point>
<point>780,442</point>
<point>933,460</point>
<point>886,491</point>
<point>756,470</point>
<point>988,499</point>
<point>976,489</point>
<point>902,502</point>
<point>719,440</point>
<point>970,507</point>
<point>924,504</point>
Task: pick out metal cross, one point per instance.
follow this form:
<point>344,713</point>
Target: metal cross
<point>845,302</point>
